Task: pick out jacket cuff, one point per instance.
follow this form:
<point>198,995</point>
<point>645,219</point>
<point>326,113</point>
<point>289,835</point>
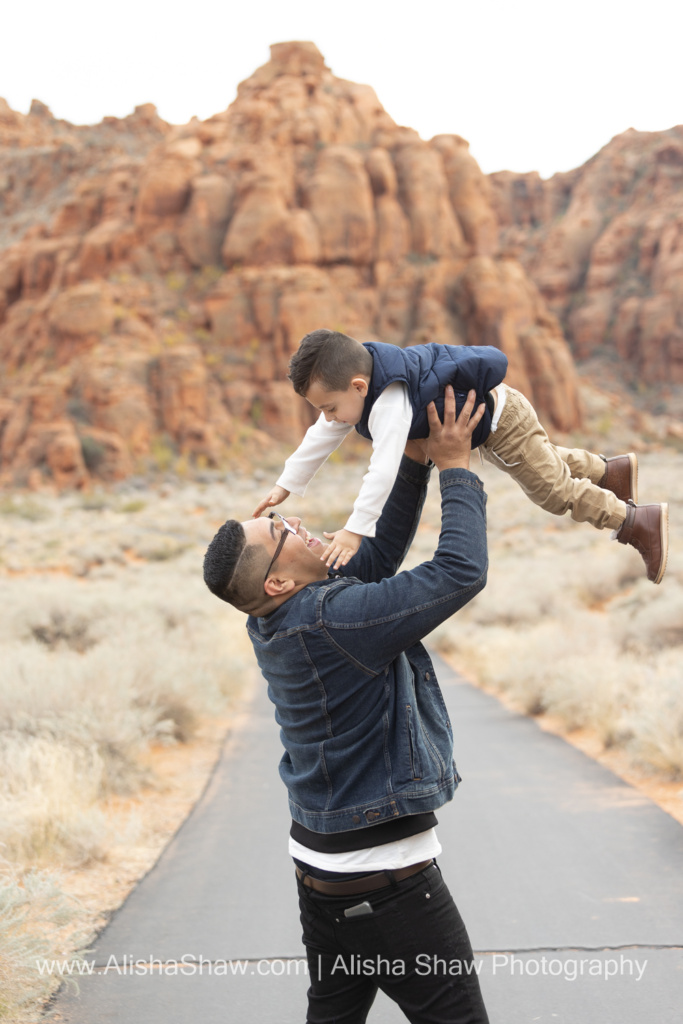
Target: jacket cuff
<point>414,472</point>
<point>450,477</point>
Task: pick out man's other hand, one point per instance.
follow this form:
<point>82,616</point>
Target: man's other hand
<point>450,443</point>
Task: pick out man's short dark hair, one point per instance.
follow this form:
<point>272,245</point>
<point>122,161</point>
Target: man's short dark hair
<point>233,569</point>
<point>330,359</point>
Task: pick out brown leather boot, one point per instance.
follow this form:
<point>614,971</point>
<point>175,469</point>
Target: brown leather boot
<point>621,476</point>
<point>646,528</point>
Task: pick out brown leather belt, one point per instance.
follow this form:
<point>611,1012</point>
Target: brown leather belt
<point>356,886</point>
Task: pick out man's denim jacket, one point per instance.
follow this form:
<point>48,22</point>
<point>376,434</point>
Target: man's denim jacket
<point>363,722</point>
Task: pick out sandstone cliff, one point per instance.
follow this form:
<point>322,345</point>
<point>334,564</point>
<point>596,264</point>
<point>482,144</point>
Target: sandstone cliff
<point>155,280</point>
<point>604,243</point>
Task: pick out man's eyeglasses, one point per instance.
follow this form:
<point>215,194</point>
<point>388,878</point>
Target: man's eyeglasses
<point>286,528</point>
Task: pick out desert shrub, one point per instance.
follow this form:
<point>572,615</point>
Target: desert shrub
<point>33,909</point>
<point>162,549</point>
<point>163,451</point>
<point>61,628</point>
<point>95,501</point>
<point>94,453</point>
<point>23,508</point>
<point>652,622</point>
<point>656,719</point>
<point>47,803</point>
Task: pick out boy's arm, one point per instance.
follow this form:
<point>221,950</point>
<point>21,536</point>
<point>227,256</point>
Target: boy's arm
<point>389,424</point>
<point>320,440</point>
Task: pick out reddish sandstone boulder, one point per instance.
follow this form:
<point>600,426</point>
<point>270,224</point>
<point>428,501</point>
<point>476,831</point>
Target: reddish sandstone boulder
<point>165,186</point>
<point>103,247</point>
<point>55,446</point>
<point>204,225</point>
<point>339,198</point>
<point>423,190</point>
<point>105,454</point>
<point>470,194</point>
<point>182,380</point>
<point>85,309</point>
<point>110,393</point>
<point>502,307</point>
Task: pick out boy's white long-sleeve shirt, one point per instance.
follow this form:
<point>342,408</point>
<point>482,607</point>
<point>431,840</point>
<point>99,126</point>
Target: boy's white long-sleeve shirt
<point>389,424</point>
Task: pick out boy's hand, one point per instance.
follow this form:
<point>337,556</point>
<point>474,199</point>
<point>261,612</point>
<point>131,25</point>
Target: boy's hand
<point>277,495</point>
<point>343,546</point>
<point>449,443</point>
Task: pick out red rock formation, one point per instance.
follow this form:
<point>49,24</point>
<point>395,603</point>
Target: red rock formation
<point>604,244</point>
<point>154,281</point>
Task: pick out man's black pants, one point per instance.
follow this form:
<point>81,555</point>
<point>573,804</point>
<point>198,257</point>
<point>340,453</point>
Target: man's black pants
<point>414,946</point>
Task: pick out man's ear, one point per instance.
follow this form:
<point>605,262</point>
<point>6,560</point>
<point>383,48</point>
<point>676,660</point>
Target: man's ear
<point>361,385</point>
<point>276,586</point>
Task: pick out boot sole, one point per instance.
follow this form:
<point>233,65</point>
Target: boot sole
<point>633,462</point>
<point>664,538</point>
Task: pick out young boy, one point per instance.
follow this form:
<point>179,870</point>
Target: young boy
<point>383,391</point>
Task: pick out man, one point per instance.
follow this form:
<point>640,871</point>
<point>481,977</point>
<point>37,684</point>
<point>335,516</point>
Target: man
<point>368,745</point>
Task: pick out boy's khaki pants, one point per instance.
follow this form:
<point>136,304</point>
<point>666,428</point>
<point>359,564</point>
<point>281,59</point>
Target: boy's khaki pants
<point>557,479</point>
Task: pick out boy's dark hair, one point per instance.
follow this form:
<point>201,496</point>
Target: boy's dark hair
<point>233,569</point>
<point>330,359</point>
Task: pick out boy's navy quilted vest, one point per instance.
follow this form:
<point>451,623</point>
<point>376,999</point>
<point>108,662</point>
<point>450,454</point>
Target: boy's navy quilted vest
<point>426,370</point>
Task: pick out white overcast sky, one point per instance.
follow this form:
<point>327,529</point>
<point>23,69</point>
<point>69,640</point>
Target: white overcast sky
<point>532,84</point>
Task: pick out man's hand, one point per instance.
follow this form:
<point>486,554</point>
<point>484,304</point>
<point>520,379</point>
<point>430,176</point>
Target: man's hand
<point>275,497</point>
<point>343,546</point>
<point>449,443</point>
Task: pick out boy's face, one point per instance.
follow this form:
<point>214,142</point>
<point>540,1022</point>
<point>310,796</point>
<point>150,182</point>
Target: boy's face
<point>340,406</point>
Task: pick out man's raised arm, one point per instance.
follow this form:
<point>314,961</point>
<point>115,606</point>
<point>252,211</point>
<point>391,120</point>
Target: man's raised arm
<point>382,555</point>
<point>389,616</point>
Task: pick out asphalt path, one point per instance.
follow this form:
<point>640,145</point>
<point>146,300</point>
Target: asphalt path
<point>569,881</point>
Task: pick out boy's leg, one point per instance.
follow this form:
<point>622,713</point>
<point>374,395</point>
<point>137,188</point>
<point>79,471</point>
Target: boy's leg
<point>583,465</point>
<point>618,474</point>
<point>521,448</point>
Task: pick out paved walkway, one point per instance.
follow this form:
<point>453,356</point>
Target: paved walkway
<point>569,880</point>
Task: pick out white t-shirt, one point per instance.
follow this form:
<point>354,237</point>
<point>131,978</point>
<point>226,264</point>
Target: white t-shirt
<point>389,424</point>
<point>399,854</point>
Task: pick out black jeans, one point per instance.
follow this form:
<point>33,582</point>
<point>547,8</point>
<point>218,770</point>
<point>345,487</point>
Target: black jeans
<point>414,946</point>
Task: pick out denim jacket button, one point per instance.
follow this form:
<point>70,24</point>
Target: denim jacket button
<point>355,819</point>
<point>427,676</point>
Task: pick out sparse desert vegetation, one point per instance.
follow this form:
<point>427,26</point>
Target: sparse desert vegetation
<point>113,650</point>
<point>569,625</point>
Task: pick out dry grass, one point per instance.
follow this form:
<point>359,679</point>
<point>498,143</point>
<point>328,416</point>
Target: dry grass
<point>31,906</point>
